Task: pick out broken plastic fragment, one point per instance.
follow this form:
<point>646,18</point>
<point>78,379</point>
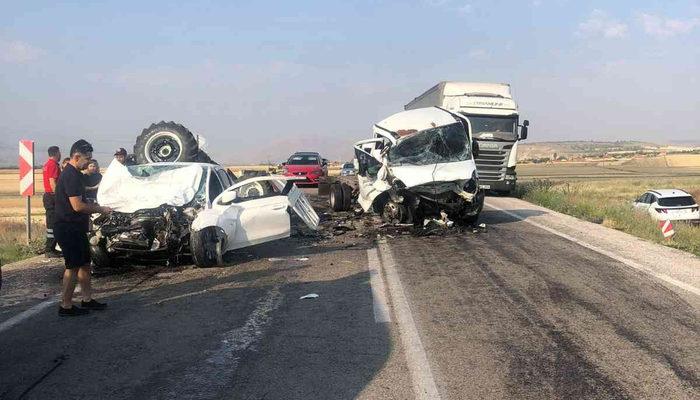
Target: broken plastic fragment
<point>309,296</point>
<point>302,259</point>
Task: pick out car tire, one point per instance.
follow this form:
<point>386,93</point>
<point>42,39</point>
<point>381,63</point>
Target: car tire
<point>206,247</point>
<point>336,197</point>
<point>101,258</point>
<point>167,142</point>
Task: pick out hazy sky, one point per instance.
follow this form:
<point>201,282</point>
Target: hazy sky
<point>262,79</point>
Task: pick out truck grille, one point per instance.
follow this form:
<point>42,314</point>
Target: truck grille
<point>491,164</point>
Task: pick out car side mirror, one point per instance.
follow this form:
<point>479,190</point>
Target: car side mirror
<point>324,161</point>
<point>523,129</point>
<point>475,148</point>
<point>228,197</point>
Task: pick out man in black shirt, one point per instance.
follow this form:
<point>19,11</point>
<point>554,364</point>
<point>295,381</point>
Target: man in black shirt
<point>71,228</point>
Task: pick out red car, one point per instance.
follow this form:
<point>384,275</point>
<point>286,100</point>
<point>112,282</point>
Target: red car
<point>307,164</point>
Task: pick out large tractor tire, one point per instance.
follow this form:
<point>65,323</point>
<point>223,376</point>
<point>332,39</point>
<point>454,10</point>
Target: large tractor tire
<point>167,142</point>
<point>206,247</point>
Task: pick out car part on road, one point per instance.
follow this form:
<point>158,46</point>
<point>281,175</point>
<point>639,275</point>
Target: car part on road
<point>309,296</point>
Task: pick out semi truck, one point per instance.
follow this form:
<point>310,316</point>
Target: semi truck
<point>494,118</point>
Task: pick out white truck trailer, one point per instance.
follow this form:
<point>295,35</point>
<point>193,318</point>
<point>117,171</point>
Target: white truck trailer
<point>493,115</point>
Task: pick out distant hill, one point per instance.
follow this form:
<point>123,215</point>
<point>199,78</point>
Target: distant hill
<point>578,149</point>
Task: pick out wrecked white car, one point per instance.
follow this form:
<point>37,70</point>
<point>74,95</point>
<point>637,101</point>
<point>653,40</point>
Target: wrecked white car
<point>419,164</point>
<point>165,210</point>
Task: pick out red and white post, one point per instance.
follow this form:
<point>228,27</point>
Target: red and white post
<point>26,179</point>
<point>666,229</point>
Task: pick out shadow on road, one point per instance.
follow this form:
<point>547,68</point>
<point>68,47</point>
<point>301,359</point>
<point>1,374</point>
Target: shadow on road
<point>496,217</point>
<point>243,335</point>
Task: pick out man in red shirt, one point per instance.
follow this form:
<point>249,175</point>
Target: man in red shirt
<point>50,173</point>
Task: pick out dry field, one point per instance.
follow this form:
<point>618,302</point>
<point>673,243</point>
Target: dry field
<point>604,193</point>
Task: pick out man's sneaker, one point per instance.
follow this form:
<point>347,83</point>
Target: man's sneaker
<point>72,312</point>
<point>93,305</point>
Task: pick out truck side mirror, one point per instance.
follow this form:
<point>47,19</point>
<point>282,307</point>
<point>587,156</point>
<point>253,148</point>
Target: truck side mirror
<point>475,148</point>
<point>523,130</point>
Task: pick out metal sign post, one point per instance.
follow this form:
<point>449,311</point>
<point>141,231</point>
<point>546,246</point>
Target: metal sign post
<point>26,179</point>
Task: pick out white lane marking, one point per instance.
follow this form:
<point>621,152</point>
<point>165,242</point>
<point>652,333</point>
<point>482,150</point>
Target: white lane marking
<point>423,383</point>
<point>379,304</point>
<point>690,288</point>
<point>26,314</point>
<point>208,378</point>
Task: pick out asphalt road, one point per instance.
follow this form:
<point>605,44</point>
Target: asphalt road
<point>515,311</point>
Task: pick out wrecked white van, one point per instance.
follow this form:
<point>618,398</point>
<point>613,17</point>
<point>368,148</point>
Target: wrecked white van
<point>164,210</point>
<point>419,164</point>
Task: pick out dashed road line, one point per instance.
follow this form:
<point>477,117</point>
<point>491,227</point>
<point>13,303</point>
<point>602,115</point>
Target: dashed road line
<point>690,288</point>
<point>422,378</point>
<point>380,305</point>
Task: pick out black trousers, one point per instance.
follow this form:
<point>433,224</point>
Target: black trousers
<point>49,200</point>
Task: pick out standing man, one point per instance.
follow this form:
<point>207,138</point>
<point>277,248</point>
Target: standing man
<point>71,228</point>
<point>50,173</point>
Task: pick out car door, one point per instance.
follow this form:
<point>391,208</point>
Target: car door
<point>255,211</point>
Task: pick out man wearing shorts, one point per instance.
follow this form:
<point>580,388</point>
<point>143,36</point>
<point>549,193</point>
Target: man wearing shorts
<point>71,228</point>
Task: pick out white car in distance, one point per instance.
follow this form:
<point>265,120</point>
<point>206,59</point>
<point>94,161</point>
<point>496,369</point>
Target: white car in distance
<point>669,205</point>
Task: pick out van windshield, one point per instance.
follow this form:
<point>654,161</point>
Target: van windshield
<point>443,144</point>
<point>487,127</point>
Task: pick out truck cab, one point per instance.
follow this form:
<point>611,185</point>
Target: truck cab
<point>494,118</point>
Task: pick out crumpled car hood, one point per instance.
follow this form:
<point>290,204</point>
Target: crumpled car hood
<point>127,193</point>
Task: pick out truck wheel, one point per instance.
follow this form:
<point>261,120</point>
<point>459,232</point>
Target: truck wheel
<point>336,197</point>
<point>100,257</point>
<point>166,142</point>
<point>206,247</point>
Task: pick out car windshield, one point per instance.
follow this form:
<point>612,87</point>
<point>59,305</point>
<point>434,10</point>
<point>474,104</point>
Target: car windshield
<point>493,127</point>
<point>348,166</point>
<point>299,159</point>
<point>443,144</point>
<point>676,201</point>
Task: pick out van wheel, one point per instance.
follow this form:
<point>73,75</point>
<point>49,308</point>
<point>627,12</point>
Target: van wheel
<point>347,196</point>
<point>206,247</point>
<point>336,197</point>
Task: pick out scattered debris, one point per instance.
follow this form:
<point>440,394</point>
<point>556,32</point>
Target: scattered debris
<point>302,259</point>
<point>275,259</point>
<point>309,296</point>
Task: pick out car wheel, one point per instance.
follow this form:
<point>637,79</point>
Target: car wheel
<point>206,246</point>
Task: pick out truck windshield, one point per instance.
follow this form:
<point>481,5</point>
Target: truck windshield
<point>493,127</point>
<point>443,144</point>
